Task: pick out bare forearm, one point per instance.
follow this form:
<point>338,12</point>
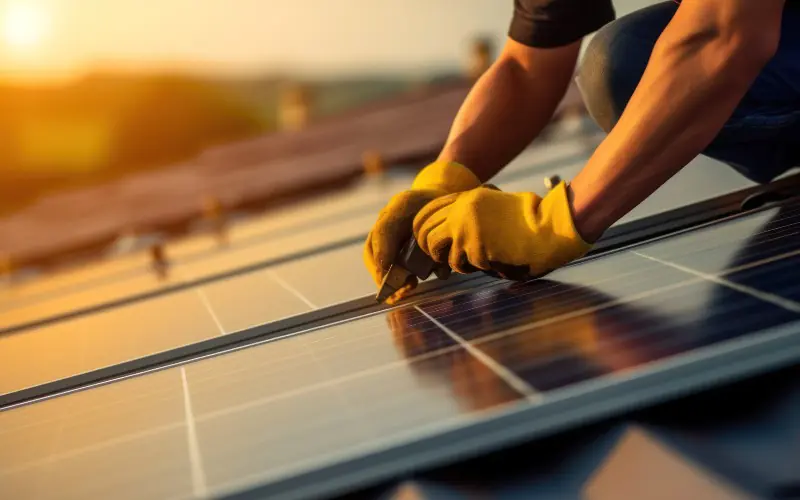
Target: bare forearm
<point>507,108</point>
<point>695,79</point>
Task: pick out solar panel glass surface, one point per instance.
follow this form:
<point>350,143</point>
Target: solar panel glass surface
<point>375,395</point>
<point>74,346</point>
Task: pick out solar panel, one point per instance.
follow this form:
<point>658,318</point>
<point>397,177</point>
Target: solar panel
<point>369,397</point>
<point>329,278</point>
<point>69,280</point>
<point>32,312</point>
<point>71,347</point>
<point>187,272</point>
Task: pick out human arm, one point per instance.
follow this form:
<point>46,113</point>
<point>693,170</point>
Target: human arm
<point>509,105</point>
<point>700,68</point>
<point>504,111</point>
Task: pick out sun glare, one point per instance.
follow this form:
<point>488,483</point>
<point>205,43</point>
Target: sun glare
<point>24,23</point>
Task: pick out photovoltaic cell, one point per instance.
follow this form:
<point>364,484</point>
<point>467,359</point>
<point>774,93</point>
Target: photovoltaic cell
<point>619,337</point>
<point>69,280</point>
<point>760,237</point>
<point>330,277</point>
<point>251,299</point>
<point>179,273</point>
<point>75,346</point>
<point>127,440</point>
<point>83,298</point>
<point>378,395</point>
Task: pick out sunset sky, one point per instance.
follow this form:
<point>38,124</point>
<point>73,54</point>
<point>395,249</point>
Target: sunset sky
<point>57,38</point>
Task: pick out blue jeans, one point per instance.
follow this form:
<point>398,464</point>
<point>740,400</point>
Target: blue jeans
<point>761,140</point>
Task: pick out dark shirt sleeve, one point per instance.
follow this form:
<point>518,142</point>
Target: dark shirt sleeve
<point>555,23</point>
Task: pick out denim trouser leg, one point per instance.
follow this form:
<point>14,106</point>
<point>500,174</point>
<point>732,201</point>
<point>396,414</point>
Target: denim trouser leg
<point>761,140</point>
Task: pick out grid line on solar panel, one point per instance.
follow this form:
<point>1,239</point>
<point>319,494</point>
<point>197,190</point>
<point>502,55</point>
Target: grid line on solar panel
<point>746,266</point>
<point>688,230</point>
<point>386,440</point>
<point>305,223</point>
<point>127,438</point>
<point>249,480</point>
<point>382,443</point>
<point>394,413</point>
<point>787,216</point>
<point>329,383</point>
<point>289,288</point>
<point>564,340</point>
<point>785,330</point>
<point>765,296</point>
<point>91,420</point>
<point>559,288</point>
<point>778,278</point>
<point>777,228</point>
<point>775,237</point>
<point>217,276</point>
<point>690,280</point>
<point>161,393</point>
<point>204,299</point>
<point>496,283</point>
<point>387,376</point>
<point>511,379</point>
<point>33,358</point>
<point>195,457</point>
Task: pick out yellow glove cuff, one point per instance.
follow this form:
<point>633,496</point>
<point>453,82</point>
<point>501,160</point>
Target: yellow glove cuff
<point>447,176</point>
<point>555,221</point>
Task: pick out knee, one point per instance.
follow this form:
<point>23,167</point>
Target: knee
<point>615,60</point>
<point>595,77</point>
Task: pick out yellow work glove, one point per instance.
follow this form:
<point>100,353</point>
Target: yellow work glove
<point>394,225</point>
<point>517,236</point>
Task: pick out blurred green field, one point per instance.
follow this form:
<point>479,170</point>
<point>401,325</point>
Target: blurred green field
<point>105,126</point>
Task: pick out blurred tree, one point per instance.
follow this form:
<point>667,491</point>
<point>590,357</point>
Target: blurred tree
<point>175,117</point>
<point>107,125</point>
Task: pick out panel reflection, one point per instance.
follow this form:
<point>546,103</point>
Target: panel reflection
<point>729,245</point>
<point>473,385</point>
<point>554,334</point>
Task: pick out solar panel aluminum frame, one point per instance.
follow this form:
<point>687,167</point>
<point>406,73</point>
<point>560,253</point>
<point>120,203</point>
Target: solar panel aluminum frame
<point>618,237</point>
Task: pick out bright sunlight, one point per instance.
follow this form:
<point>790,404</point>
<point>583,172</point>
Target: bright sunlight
<point>24,23</point>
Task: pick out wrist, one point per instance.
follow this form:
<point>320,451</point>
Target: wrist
<point>447,177</point>
<point>588,227</point>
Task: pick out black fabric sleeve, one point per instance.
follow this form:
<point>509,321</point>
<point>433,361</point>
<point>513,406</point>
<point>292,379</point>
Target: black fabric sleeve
<point>555,23</point>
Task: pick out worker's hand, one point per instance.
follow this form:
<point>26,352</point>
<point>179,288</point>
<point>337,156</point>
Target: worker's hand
<point>394,225</point>
<point>517,236</point>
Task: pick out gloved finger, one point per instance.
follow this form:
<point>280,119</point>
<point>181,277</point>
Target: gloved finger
<point>442,272</point>
<point>459,260</point>
<point>511,272</point>
<point>387,239</point>
<point>394,226</point>
<point>439,242</point>
<point>430,216</point>
<point>424,230</point>
<point>369,261</point>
